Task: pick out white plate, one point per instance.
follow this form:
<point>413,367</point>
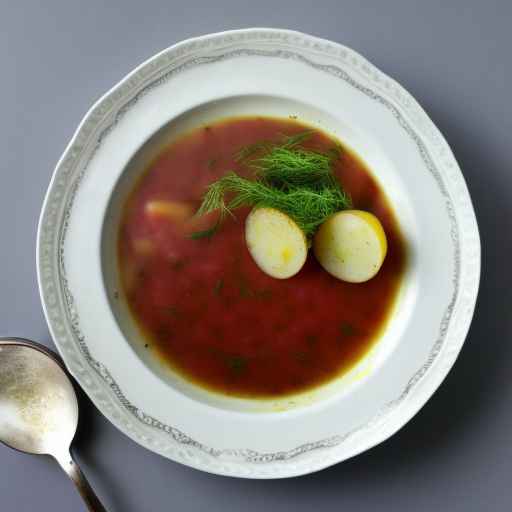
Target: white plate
<point>275,72</point>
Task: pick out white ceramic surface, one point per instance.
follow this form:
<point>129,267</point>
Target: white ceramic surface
<point>280,73</point>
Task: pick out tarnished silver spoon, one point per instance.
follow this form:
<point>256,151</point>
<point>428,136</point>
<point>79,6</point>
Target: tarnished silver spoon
<point>39,408</point>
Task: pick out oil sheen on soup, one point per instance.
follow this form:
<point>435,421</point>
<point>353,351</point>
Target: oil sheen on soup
<point>206,309</point>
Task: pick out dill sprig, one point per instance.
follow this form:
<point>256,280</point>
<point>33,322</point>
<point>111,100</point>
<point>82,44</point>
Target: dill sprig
<point>307,207</point>
<point>206,233</point>
<point>288,141</point>
<point>288,177</point>
<point>288,168</point>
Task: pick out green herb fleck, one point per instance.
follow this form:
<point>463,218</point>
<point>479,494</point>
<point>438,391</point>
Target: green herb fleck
<point>237,364</point>
<point>214,351</point>
<point>207,233</point>
<point>171,310</point>
<point>164,332</point>
<point>244,289</point>
<point>335,152</point>
<point>219,285</point>
<point>211,162</point>
<point>264,294</point>
<point>311,339</point>
<point>347,329</point>
<point>178,265</point>
<point>301,356</point>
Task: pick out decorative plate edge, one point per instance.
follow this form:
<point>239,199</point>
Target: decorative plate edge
<point>72,160</point>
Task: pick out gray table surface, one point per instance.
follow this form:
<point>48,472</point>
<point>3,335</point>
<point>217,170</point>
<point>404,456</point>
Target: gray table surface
<point>56,57</point>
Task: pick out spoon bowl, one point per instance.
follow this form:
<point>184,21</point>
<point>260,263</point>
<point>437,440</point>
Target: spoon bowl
<point>39,408</point>
<point>38,405</point>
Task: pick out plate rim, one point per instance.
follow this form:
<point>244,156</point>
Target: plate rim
<point>230,36</point>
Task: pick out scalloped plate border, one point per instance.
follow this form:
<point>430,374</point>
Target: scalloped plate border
<point>57,299</point>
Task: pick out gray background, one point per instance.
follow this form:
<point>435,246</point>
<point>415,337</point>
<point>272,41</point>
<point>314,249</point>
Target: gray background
<point>56,57</point>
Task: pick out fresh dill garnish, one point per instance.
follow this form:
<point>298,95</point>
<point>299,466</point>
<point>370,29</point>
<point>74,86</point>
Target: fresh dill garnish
<point>288,141</point>
<point>285,168</point>
<point>307,207</point>
<point>288,177</point>
<point>335,152</point>
<point>247,151</point>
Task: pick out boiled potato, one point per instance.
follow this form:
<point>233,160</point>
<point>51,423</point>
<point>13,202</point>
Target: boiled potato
<point>143,246</point>
<point>276,243</point>
<point>351,245</point>
<point>171,210</point>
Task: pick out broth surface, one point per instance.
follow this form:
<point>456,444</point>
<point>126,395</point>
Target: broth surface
<point>205,307</point>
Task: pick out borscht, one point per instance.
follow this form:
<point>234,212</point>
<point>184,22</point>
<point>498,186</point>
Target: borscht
<point>208,305</point>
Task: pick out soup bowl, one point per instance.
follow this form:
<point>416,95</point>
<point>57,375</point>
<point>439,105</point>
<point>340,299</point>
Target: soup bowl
<point>277,73</point>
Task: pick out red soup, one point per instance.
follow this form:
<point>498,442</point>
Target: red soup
<point>204,306</point>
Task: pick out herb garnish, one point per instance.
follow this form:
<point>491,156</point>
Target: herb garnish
<point>207,233</point>
<point>288,177</point>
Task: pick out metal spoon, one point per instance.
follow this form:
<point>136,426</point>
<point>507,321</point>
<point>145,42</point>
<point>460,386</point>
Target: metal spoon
<point>39,408</point>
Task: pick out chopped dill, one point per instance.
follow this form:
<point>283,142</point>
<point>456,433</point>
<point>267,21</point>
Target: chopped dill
<point>307,207</point>
<point>288,177</point>
<point>289,141</point>
<point>285,168</point>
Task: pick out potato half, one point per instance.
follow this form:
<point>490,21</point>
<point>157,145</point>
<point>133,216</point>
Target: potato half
<point>276,243</point>
<point>351,245</point>
<point>172,210</point>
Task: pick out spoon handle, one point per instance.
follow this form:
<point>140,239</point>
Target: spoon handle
<point>75,473</point>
